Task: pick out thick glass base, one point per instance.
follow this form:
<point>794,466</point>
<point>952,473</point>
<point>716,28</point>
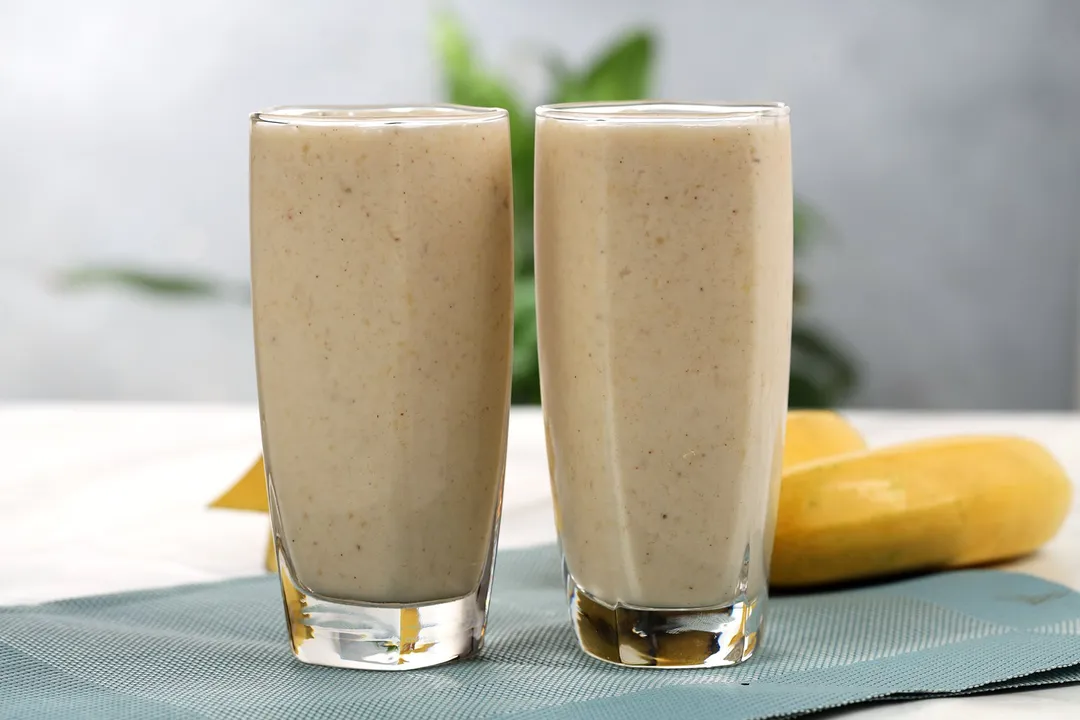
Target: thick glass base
<point>381,637</point>
<point>666,638</point>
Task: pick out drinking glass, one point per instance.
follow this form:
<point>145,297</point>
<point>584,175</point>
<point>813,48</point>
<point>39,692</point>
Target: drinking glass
<point>382,288</point>
<point>664,300</point>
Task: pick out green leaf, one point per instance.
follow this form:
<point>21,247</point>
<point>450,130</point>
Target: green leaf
<point>804,393</point>
<point>808,224</point>
<point>522,146</point>
<point>467,83</point>
<point>799,292</point>
<point>523,246</point>
<point>821,375</point>
<point>153,283</point>
<point>526,371</point>
<point>622,72</point>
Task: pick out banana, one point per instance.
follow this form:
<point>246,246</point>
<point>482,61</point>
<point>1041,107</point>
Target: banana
<point>815,434</point>
<point>934,504</point>
<point>249,492</point>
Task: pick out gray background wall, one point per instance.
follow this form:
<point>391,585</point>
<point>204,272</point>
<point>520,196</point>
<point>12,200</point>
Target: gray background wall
<point>940,139</point>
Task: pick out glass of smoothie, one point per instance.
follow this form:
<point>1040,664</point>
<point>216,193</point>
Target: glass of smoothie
<point>382,288</point>
<point>664,284</point>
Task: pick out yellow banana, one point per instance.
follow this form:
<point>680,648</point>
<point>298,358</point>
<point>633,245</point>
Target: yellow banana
<point>249,492</point>
<point>815,434</point>
<point>932,504</point>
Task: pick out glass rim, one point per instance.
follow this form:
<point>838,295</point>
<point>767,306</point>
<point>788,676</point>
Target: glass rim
<point>377,115</point>
<point>633,112</point>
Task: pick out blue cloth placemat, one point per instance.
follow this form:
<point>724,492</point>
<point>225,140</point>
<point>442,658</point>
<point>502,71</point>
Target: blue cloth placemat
<point>220,651</point>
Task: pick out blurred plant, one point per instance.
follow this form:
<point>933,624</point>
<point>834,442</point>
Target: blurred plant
<point>619,73</point>
<point>821,374</point>
<point>171,284</point>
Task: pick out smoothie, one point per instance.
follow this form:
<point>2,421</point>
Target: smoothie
<point>382,266</point>
<point>664,281</point>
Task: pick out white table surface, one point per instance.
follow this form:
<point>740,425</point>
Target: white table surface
<point>103,498</point>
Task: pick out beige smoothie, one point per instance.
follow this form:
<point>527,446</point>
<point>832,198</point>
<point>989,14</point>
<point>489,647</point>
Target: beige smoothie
<point>664,281</point>
<point>382,266</point>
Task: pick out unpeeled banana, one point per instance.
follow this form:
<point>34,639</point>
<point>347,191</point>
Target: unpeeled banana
<point>815,434</point>
<point>933,504</point>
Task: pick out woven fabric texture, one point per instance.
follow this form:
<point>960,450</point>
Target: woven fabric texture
<point>220,651</point>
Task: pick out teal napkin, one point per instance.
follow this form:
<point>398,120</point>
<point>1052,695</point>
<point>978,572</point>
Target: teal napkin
<point>220,651</point>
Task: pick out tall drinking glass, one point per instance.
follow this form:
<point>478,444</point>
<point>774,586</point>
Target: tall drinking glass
<point>382,287</point>
<point>664,284</point>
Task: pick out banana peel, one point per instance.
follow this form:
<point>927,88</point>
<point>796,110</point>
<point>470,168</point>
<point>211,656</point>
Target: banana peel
<point>849,513</point>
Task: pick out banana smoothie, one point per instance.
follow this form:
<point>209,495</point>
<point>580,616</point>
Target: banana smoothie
<point>382,266</point>
<point>664,285</point>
